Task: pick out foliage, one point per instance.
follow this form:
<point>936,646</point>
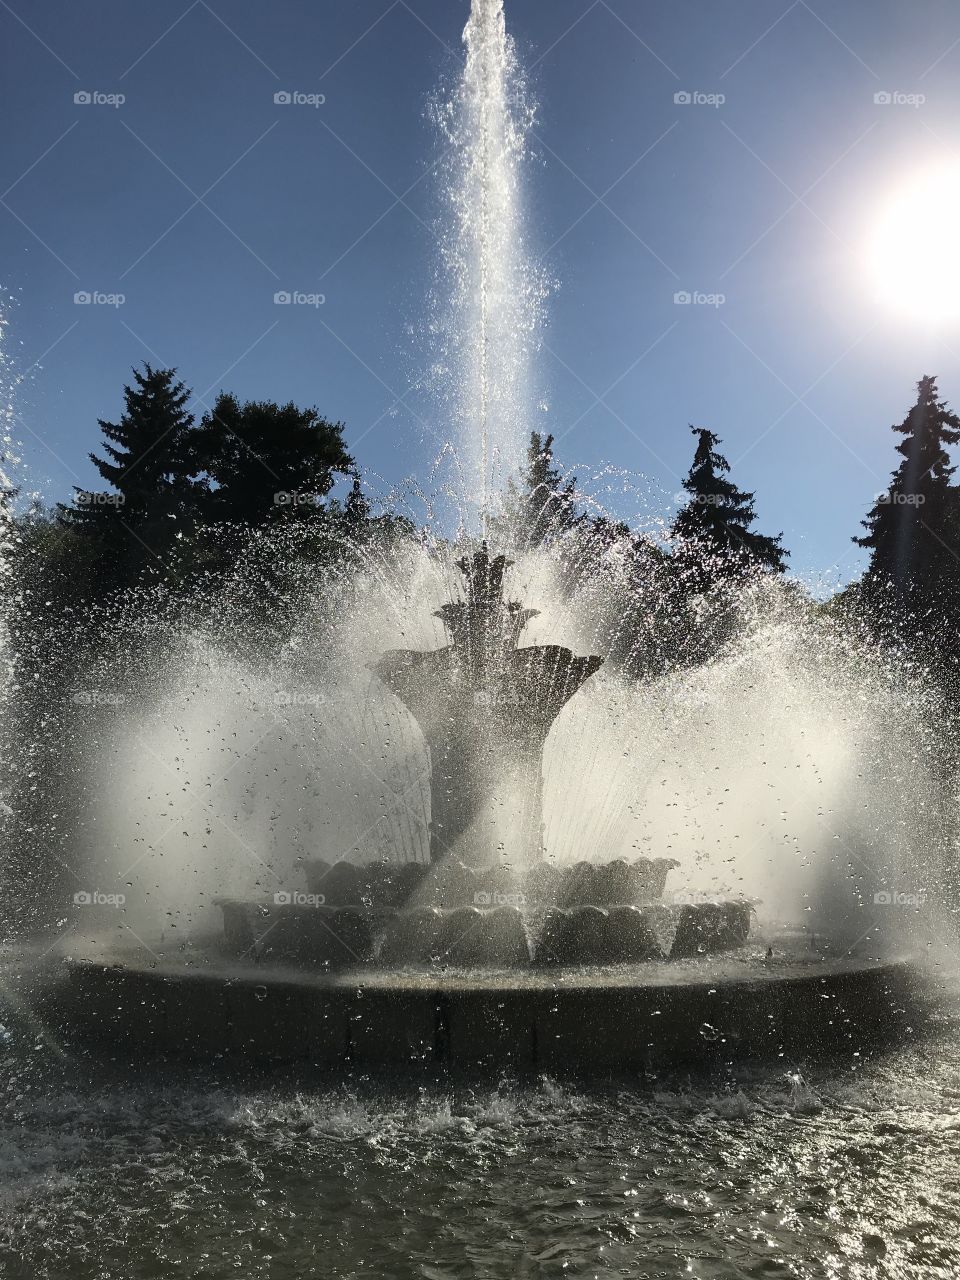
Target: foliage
<point>713,532</point>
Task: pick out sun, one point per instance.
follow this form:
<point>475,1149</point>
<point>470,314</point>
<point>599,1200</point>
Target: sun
<point>913,254</point>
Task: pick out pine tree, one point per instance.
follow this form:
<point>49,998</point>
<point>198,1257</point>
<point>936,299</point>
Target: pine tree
<point>356,508</point>
<point>713,534</point>
<point>151,466</point>
<point>543,507</point>
<point>269,462</point>
<point>911,527</point>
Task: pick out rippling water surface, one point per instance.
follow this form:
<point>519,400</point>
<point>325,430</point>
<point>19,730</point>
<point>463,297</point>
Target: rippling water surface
<point>853,1171</point>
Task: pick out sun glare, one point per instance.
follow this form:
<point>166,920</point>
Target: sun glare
<point>914,252</point>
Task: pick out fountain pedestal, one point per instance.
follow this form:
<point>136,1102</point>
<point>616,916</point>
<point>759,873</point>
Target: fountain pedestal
<point>485,708</point>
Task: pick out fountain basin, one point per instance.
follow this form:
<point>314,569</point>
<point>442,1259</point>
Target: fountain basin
<point>199,1004</point>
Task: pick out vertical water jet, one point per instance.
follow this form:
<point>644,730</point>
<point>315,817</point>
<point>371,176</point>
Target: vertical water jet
<point>493,288</point>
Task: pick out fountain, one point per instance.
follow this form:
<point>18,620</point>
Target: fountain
<point>485,708</point>
<point>489,896</point>
<point>491,948</point>
<point>489,952</point>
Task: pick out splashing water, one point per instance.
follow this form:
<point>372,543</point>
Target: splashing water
<point>487,327</point>
<point>767,772</point>
<point>208,758</point>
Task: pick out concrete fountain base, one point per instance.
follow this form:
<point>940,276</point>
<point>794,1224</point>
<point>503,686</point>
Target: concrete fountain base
<point>199,1004</point>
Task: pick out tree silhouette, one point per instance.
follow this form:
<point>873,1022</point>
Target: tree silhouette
<point>543,506</point>
<point>269,462</point>
<point>151,466</point>
<point>713,531</point>
<point>911,528</point>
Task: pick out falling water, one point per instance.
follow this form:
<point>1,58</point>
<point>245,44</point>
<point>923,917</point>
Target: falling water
<point>489,321</point>
<point>212,758</point>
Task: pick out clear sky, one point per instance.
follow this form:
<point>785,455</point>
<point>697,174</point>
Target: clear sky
<point>198,198</point>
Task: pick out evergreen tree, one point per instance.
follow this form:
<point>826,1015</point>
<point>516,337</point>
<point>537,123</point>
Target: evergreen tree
<point>356,509</point>
<point>543,507</point>
<point>713,533</point>
<point>269,462</point>
<point>151,466</point>
<point>911,528</point>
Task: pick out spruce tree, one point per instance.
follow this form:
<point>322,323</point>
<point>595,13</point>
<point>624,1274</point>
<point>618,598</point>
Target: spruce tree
<point>151,466</point>
<point>543,507</point>
<point>356,508</point>
<point>911,528</point>
<point>713,531</point>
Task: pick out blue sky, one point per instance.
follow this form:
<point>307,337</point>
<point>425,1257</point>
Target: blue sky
<point>198,198</point>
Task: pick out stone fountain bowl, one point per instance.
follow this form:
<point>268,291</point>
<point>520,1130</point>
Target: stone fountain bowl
<point>467,937</point>
<point>381,884</point>
<point>452,884</point>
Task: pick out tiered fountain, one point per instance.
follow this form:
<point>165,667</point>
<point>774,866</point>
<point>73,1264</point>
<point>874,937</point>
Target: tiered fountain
<point>490,895</point>
<point>489,951</point>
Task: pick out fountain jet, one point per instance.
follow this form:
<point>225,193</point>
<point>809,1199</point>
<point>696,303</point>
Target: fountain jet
<point>492,287</point>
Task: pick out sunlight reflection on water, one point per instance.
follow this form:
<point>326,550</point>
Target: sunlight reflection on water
<point>840,1172</point>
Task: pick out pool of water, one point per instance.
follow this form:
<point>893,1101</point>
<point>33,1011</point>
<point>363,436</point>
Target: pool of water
<point>850,1169</point>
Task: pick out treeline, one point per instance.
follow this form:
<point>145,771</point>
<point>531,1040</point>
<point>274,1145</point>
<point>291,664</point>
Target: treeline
<point>183,495</point>
<point>908,596</point>
<point>170,478</point>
